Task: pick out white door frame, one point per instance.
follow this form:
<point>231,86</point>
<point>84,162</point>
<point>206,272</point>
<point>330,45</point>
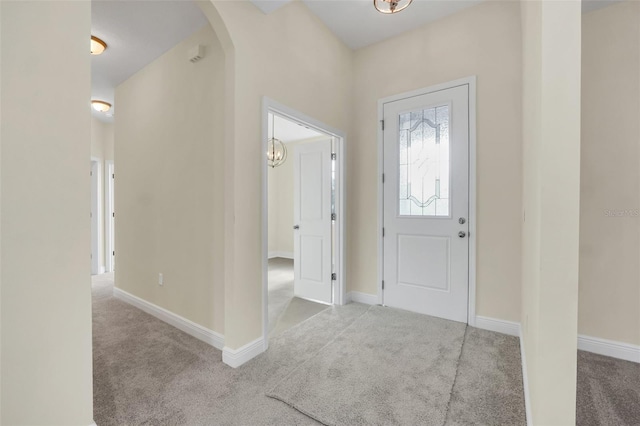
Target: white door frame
<point>471,82</point>
<point>96,222</point>
<point>339,289</point>
<point>108,215</point>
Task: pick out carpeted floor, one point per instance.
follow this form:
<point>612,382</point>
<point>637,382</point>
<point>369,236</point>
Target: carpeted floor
<point>147,372</point>
<point>285,310</point>
<point>608,391</point>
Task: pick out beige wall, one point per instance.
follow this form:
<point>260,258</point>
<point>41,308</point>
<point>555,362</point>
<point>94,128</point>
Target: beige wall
<point>484,41</point>
<point>609,305</point>
<point>551,191</point>
<point>45,240</point>
<point>169,182</point>
<point>309,70</point>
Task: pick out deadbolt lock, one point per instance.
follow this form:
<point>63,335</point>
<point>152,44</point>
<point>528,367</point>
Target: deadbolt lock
<point>462,220</point>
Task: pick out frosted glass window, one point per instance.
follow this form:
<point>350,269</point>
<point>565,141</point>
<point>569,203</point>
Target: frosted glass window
<point>424,162</point>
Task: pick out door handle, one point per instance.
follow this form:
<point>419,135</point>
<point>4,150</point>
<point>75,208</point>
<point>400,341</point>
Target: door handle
<point>296,226</point>
<point>462,234</point>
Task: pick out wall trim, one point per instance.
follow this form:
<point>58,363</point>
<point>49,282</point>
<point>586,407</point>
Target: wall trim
<point>497,325</point>
<point>620,350</point>
<point>283,254</point>
<point>236,357</point>
<point>358,297</point>
<point>525,379</point>
<point>191,328</point>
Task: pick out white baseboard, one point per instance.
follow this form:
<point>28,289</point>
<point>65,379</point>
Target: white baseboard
<point>199,332</point>
<point>525,379</point>
<point>236,357</point>
<point>283,254</point>
<point>358,297</point>
<point>499,326</point>
<point>610,348</point>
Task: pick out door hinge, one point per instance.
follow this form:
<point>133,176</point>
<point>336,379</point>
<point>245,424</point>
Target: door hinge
<point>382,232</point>
<point>333,276</point>
<point>113,176</point>
<point>333,216</point>
<point>382,124</point>
<point>113,214</point>
<point>114,253</point>
<point>333,156</point>
<point>383,284</point>
<point>383,178</point>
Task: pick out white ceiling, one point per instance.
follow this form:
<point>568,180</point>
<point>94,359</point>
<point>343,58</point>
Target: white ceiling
<point>289,131</point>
<point>136,32</point>
<point>139,31</point>
<point>358,24</point>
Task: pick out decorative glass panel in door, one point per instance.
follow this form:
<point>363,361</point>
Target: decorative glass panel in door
<point>424,162</point>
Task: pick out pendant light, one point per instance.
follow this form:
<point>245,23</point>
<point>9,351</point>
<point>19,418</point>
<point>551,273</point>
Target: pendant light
<point>276,151</point>
<point>391,6</point>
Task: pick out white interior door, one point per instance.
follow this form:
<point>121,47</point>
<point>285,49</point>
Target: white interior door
<point>426,203</point>
<point>312,219</point>
<point>94,215</point>
<point>110,219</point>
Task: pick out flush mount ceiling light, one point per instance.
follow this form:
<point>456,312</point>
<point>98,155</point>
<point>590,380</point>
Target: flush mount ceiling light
<point>101,106</point>
<point>97,46</point>
<point>391,6</point>
<point>276,151</point>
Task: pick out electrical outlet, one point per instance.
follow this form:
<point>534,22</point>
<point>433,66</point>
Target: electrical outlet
<point>160,279</point>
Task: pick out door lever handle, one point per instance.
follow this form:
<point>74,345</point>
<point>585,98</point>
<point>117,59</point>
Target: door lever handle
<point>296,226</point>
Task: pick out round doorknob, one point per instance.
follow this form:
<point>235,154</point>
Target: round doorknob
<point>462,234</point>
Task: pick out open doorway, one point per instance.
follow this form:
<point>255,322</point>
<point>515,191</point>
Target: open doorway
<point>303,240</point>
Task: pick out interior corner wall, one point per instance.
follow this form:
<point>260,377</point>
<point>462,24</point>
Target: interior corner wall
<point>609,304</point>
<point>45,242</point>
<point>310,70</point>
<point>169,182</point>
<point>551,191</point>
<point>484,41</point>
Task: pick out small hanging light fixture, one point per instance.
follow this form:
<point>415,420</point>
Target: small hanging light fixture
<point>276,151</point>
<point>391,6</point>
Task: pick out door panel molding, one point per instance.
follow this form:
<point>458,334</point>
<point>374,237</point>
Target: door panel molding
<point>472,224</point>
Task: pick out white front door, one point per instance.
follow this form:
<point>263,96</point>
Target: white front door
<point>426,203</point>
<point>312,219</point>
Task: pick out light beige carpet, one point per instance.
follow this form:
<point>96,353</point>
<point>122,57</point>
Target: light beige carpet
<point>389,367</point>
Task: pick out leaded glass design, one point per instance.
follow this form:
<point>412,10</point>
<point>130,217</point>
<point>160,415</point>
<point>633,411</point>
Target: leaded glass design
<point>424,162</point>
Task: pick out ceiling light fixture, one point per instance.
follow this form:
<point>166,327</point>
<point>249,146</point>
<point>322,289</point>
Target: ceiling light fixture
<point>97,46</point>
<point>100,106</point>
<point>391,6</point>
<point>276,151</point>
